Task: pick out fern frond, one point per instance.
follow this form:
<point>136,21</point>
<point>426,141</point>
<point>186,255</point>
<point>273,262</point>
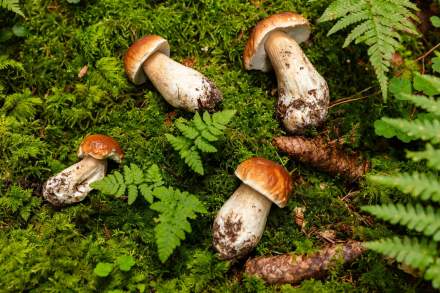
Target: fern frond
<point>428,104</point>
<point>418,218</point>
<point>175,208</point>
<point>193,160</point>
<point>419,128</point>
<point>411,251</point>
<point>377,24</point>
<point>198,135</point>
<point>133,182</point>
<point>430,154</point>
<point>427,84</point>
<point>421,185</point>
<point>204,146</point>
<point>12,5</point>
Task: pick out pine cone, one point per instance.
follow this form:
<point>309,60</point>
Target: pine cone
<point>325,156</point>
<point>290,268</point>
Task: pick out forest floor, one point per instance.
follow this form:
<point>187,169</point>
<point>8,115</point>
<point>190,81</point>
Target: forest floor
<point>56,249</point>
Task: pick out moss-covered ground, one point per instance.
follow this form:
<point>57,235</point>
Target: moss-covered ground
<point>47,249</point>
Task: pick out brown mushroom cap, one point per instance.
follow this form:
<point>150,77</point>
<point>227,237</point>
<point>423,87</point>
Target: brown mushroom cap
<point>139,52</point>
<point>100,147</point>
<point>295,25</point>
<point>266,177</point>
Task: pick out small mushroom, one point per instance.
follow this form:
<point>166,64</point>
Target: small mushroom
<point>303,92</point>
<point>240,223</point>
<point>73,184</point>
<point>181,86</point>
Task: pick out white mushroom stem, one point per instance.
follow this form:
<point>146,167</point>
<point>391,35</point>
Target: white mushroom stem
<point>73,184</point>
<point>240,222</point>
<point>181,86</point>
<point>303,92</point>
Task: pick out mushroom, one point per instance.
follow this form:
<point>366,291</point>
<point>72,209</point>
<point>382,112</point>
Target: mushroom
<point>240,223</point>
<point>73,184</point>
<point>181,86</point>
<point>303,92</point>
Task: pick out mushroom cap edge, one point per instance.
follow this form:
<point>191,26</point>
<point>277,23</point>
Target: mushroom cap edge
<point>266,177</point>
<point>139,51</point>
<point>293,24</point>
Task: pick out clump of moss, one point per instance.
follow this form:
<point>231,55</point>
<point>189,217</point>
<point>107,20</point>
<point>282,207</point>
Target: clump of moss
<point>53,249</point>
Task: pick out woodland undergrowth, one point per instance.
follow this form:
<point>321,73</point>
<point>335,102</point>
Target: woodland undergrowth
<point>62,77</point>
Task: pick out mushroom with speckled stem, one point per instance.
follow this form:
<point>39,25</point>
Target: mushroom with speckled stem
<point>303,93</point>
<point>181,86</point>
<point>73,184</point>
<point>240,223</point>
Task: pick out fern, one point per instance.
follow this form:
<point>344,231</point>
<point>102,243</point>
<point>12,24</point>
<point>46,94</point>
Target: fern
<point>424,129</point>
<point>175,208</point>
<point>377,24</point>
<point>198,135</point>
<point>133,182</point>
<point>428,104</point>
<point>420,254</point>
<point>421,219</point>
<point>430,154</point>
<point>415,253</point>
<point>12,5</point>
<point>417,184</point>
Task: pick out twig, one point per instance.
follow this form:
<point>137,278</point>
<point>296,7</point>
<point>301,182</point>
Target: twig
<point>352,99</point>
<point>427,53</point>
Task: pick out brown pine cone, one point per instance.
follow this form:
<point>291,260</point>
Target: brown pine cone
<point>290,268</point>
<point>325,156</point>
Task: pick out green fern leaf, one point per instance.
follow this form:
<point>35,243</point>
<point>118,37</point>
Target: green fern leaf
<point>415,253</point>
<point>428,84</point>
<point>111,184</point>
<point>430,154</point>
<point>424,129</point>
<point>204,146</point>
<point>433,274</point>
<point>429,104</point>
<point>207,134</point>
<point>132,192</point>
<point>198,122</point>
<point>154,176</point>
<point>197,135</point>
<point>418,218</point>
<point>187,131</point>
<point>178,143</point>
<point>377,24</point>
<point>193,160</point>
<point>127,175</point>
<point>12,5</point>
<point>417,184</point>
<point>137,174</point>
<point>175,208</point>
<point>147,192</point>
<point>223,117</point>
